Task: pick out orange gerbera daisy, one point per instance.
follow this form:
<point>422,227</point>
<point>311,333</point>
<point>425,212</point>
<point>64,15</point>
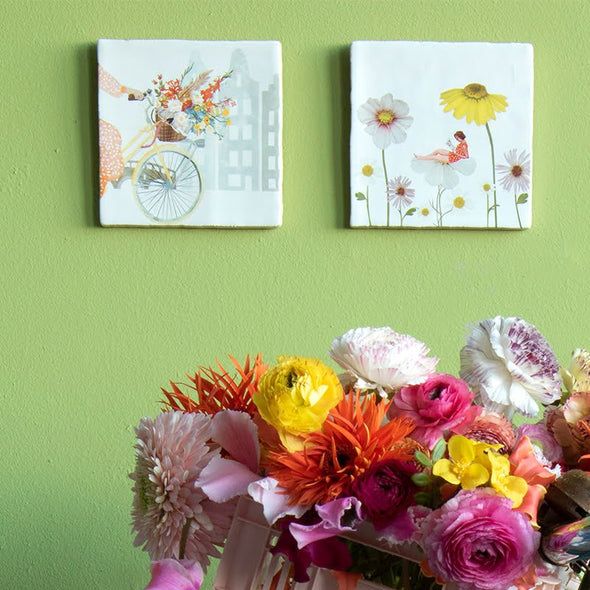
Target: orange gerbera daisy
<point>218,390</point>
<point>352,439</point>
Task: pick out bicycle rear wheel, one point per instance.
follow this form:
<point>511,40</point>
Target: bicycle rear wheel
<point>167,185</point>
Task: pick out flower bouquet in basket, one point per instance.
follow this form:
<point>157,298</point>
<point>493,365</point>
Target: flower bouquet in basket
<point>391,475</point>
<point>190,106</point>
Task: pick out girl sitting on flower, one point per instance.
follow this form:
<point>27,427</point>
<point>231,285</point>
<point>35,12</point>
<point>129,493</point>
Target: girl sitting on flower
<point>460,152</point>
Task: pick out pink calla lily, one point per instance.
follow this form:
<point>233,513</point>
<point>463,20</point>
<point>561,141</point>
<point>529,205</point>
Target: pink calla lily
<point>172,574</point>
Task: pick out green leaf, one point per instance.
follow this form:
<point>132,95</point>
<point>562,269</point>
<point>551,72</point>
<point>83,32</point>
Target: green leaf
<point>422,498</point>
<point>422,458</point>
<point>410,212</point>
<point>522,199</point>
<point>360,196</point>
<point>439,450</point>
<point>421,479</point>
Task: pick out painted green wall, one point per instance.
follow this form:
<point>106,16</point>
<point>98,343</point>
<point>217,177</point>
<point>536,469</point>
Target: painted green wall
<point>95,320</point>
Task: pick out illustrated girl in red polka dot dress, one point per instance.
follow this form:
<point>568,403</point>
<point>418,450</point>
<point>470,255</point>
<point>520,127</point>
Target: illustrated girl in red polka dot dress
<point>109,138</point>
<point>460,152</point>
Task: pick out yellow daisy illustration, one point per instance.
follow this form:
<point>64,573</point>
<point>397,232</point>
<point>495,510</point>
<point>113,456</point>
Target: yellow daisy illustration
<point>474,103</point>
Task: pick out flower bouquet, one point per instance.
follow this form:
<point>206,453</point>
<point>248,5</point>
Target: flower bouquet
<point>391,475</point>
<point>190,105</point>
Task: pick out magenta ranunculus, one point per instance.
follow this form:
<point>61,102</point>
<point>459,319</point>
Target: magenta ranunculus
<point>441,403</point>
<point>478,542</point>
<point>386,491</point>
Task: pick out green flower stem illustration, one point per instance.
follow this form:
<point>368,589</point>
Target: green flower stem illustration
<point>386,181</point>
<point>368,211</point>
<point>488,209</point>
<point>409,212</point>
<point>437,207</point>
<point>495,205</point>
<point>520,200</point>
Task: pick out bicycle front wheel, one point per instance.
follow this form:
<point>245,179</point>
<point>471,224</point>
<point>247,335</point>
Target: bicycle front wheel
<point>167,185</point>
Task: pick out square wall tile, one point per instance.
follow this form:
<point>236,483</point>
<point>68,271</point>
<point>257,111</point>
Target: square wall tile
<point>190,133</point>
<point>441,135</point>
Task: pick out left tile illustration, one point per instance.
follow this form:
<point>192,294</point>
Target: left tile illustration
<point>190,133</point>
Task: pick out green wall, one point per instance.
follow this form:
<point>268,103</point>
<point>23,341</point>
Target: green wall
<point>95,320</point>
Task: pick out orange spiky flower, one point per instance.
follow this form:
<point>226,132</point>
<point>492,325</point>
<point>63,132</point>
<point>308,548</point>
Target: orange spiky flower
<point>218,390</point>
<point>352,439</point>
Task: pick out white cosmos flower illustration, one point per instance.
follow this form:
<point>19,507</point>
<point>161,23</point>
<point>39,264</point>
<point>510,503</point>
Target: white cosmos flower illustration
<point>511,366</point>
<point>382,359</point>
<point>386,120</point>
<point>442,174</point>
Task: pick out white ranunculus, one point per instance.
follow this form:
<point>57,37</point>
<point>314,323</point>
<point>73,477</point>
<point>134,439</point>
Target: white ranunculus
<point>511,366</point>
<point>382,359</point>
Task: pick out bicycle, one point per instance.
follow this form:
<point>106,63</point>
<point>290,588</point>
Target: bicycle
<point>166,180</point>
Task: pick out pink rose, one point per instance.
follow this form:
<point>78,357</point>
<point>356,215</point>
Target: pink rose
<point>441,403</point>
<point>478,542</point>
<point>171,574</point>
<point>386,491</point>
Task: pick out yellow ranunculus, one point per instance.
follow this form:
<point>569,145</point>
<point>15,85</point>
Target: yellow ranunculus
<point>474,103</point>
<point>511,486</point>
<point>468,464</point>
<point>296,396</point>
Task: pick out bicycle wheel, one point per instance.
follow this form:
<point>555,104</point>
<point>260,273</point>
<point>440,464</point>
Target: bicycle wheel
<point>167,185</point>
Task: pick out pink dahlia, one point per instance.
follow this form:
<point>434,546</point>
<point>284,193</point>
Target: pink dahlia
<point>477,542</point>
<point>382,359</point>
<point>171,451</point>
<point>511,366</point>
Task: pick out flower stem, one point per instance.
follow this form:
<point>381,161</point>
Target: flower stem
<point>401,217</point>
<point>368,212</point>
<point>493,174</point>
<point>386,182</point>
<point>517,212</point>
<point>488,209</point>
<point>183,538</point>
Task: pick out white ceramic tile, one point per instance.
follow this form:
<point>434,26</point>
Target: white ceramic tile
<point>207,153</point>
<point>409,167</point>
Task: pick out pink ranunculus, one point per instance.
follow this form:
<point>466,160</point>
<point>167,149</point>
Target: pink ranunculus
<point>172,574</point>
<point>386,491</point>
<point>441,403</point>
<point>477,542</point>
<point>492,429</point>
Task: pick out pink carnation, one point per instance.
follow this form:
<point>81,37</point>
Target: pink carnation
<point>441,403</point>
<point>478,542</point>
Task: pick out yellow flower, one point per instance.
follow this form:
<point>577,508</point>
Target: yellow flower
<point>511,486</point>
<point>474,103</point>
<point>425,211</point>
<point>225,112</point>
<point>367,170</point>
<point>459,202</point>
<point>468,464</point>
<point>296,396</point>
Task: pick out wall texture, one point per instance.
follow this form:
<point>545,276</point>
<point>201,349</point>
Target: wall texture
<point>95,320</point>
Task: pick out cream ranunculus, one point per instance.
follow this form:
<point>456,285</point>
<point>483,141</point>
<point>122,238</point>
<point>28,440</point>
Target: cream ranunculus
<point>295,397</point>
<point>511,366</point>
<point>382,359</point>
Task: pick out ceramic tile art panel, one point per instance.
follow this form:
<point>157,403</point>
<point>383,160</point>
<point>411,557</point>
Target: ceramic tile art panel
<point>190,133</point>
<point>441,134</point>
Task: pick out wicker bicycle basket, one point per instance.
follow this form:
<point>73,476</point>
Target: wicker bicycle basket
<point>165,131</point>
